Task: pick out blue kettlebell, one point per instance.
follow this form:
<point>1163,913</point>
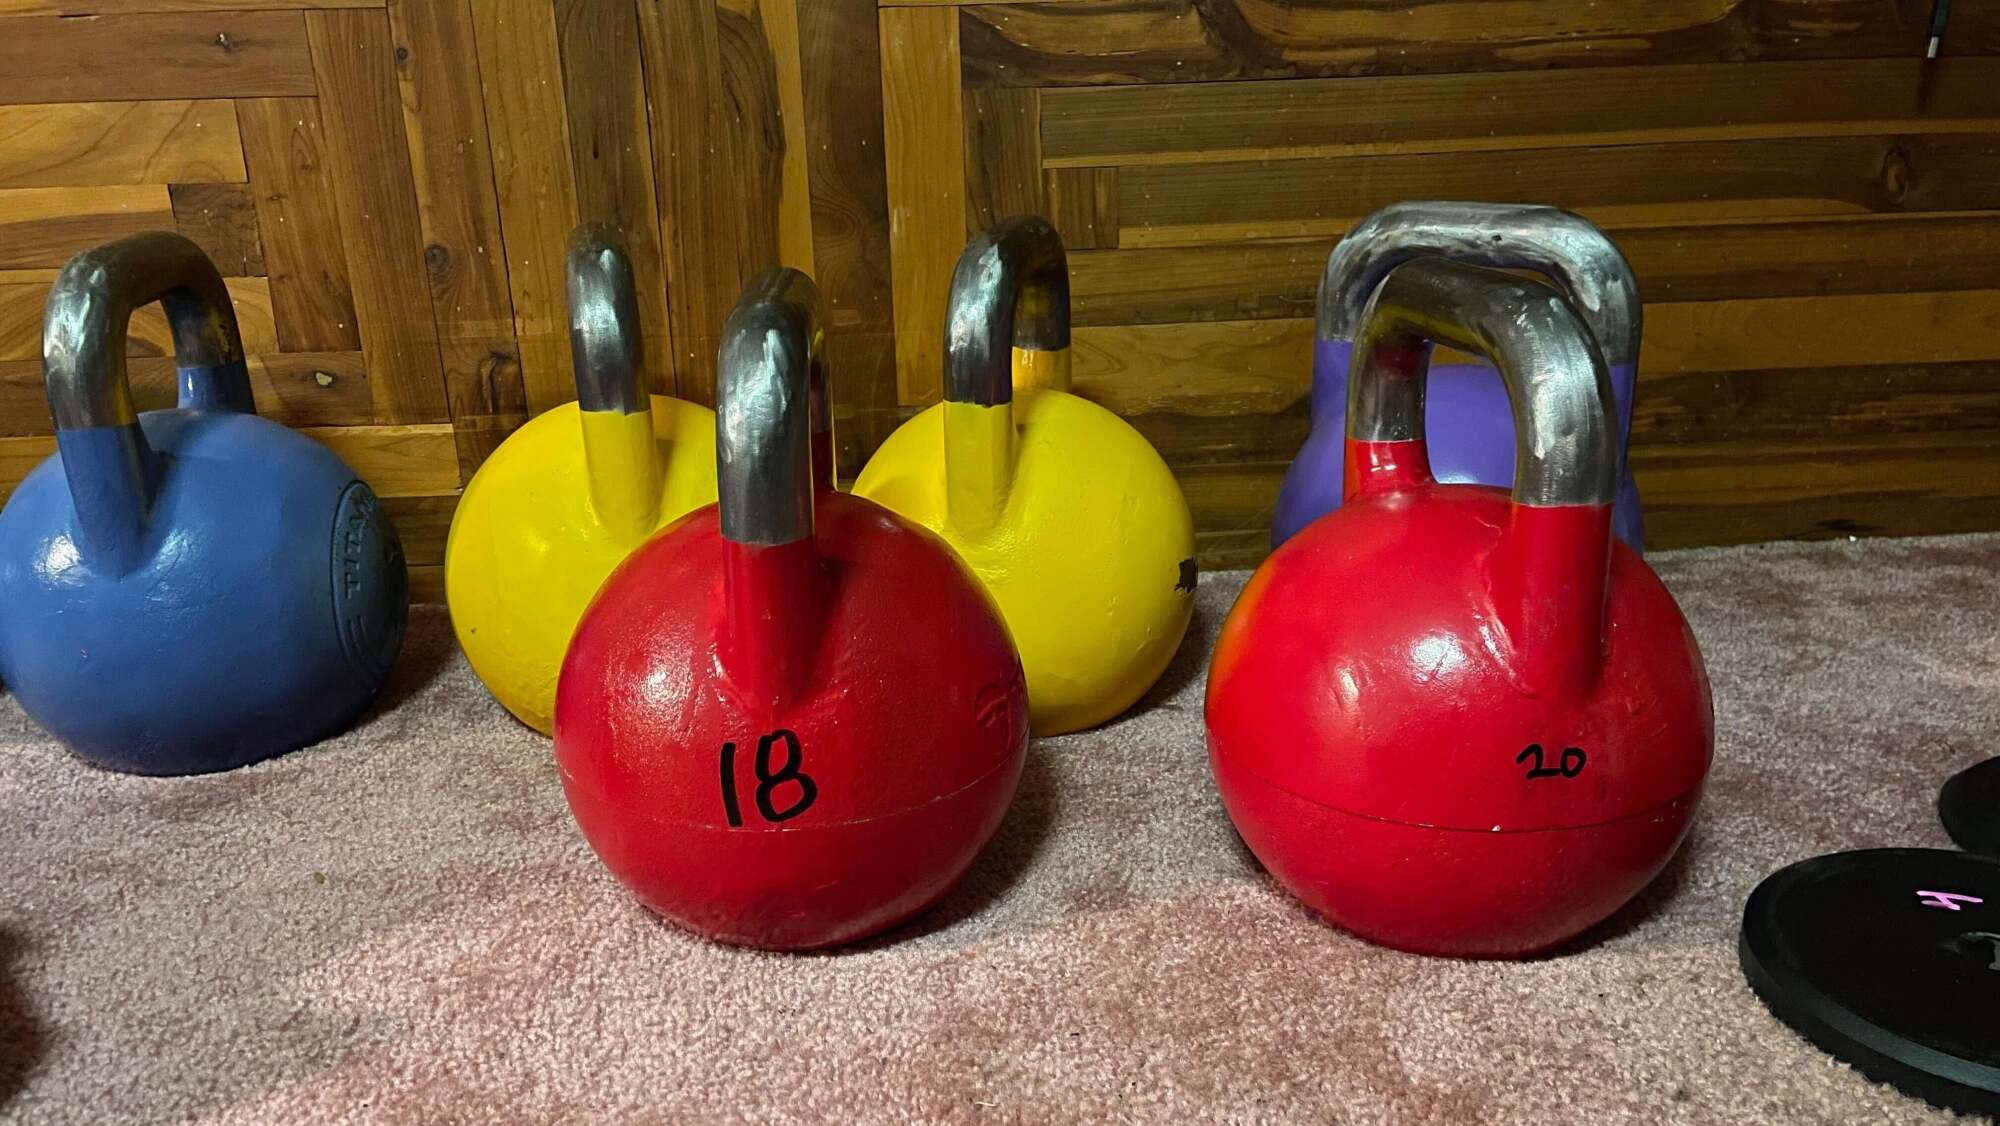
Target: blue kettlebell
<point>194,589</point>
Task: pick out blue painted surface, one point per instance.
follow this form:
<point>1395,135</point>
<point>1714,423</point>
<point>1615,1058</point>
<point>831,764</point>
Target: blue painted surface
<point>1468,428</point>
<point>252,606</point>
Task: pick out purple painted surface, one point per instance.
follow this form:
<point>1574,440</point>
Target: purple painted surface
<point>1470,431</point>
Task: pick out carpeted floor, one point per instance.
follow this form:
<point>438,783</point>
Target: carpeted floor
<point>402,925</point>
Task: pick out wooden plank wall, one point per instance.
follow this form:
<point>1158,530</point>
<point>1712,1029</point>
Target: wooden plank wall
<point>1813,213</point>
<point>390,185</point>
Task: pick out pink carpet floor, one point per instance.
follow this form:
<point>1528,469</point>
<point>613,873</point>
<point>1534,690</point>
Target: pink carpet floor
<point>402,924</point>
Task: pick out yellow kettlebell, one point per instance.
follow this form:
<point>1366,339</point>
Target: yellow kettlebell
<point>566,497</point>
<point>1065,512</point>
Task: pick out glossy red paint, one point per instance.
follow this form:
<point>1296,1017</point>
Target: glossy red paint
<point>1453,724</point>
<point>862,671</point>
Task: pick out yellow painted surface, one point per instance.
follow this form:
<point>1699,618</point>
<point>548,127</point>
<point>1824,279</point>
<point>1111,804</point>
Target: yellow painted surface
<point>1081,535</point>
<point>541,526</point>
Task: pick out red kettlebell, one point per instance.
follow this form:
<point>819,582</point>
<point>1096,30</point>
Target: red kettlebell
<point>1452,721</point>
<point>791,719</point>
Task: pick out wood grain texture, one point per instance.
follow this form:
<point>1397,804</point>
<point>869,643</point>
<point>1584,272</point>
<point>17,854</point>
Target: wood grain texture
<point>1263,366</point>
<point>720,163</point>
<point>777,23</point>
<point>107,143</point>
<point>604,80</point>
<point>924,146</point>
<point>520,68</point>
<point>1819,257</point>
<point>1083,204</point>
<point>295,388</point>
<point>1329,117</point>
<point>1817,487</point>
<point>1212,40</point>
<point>451,160</point>
<point>298,222</point>
<point>21,307</point>
<point>354,56</point>
<point>45,227</point>
<point>223,54</point>
<point>1003,155</point>
<point>1656,184</point>
<point>848,180</point>
<point>396,461</point>
<point>222,220</point>
<point>134,7</point>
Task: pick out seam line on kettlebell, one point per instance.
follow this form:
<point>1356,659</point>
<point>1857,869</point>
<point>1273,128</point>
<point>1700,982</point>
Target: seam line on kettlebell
<point>1646,812</point>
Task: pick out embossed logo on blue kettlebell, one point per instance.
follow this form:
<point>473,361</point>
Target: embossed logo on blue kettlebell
<point>370,582</point>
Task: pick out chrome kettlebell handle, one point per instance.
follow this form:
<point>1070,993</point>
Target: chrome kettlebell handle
<point>89,314</point>
<point>1565,448</point>
<point>1583,261</point>
<point>606,342</point>
<point>1010,290</point>
<point>774,417</point>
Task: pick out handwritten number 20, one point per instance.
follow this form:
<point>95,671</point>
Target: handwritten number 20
<point>769,780</point>
<point>1569,766</point>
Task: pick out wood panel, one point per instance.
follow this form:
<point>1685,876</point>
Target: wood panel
<point>451,159</point>
<point>519,59</point>
<point>105,143</point>
<point>1178,41</point>
<point>1233,121</point>
<point>1888,253</point>
<point>923,127</point>
<point>1621,185</point>
<point>611,149</point>
<point>21,321</point>
<point>393,183</point>
<point>716,89</point>
<point>223,54</point>
<point>45,227</point>
<point>222,220</point>
<point>298,223</point>
<point>361,118</point>
<point>295,388</point>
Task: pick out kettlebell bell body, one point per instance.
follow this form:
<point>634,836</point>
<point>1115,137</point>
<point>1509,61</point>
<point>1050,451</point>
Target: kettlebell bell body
<point>1064,511</point>
<point>792,719</point>
<point>194,589</point>
<point>567,496</point>
<point>1448,720</point>
<point>1467,413</point>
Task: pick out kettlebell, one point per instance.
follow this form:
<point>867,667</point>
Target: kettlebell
<point>567,496</point>
<point>1065,512</point>
<point>194,589</point>
<point>1466,406</point>
<point>1450,720</point>
<point>793,718</point>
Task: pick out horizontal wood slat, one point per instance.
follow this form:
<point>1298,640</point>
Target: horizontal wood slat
<point>1069,44</point>
<point>222,54</point>
<point>1819,257</point>
<point>90,144</point>
<point>1327,117</point>
<point>46,227</point>
<point>1656,184</point>
<point>135,7</point>
<point>396,461</point>
<point>295,388</point>
<point>1262,366</point>
<point>147,335</point>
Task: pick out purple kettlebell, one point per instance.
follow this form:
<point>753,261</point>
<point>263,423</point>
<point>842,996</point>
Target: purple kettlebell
<point>1467,419</point>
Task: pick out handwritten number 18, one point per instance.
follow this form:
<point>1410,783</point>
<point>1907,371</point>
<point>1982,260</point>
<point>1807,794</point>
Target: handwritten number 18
<point>769,780</point>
